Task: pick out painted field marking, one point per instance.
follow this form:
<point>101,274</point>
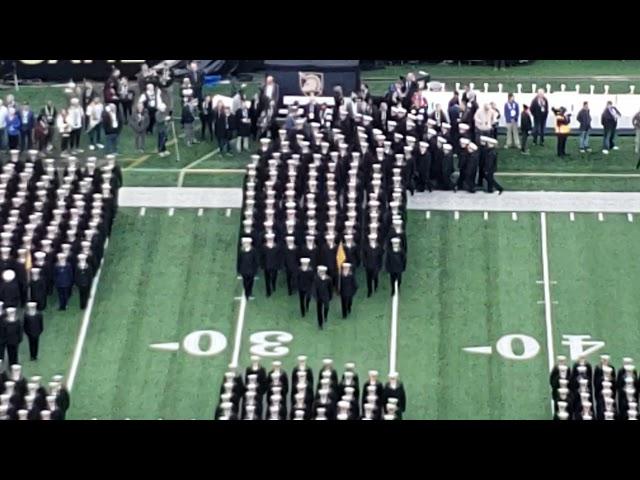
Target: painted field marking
<point>172,211</point>
<point>235,357</point>
<point>166,347</point>
<point>480,350</point>
<point>428,214</point>
<point>193,164</point>
<point>137,162</point>
<point>572,217</point>
<point>486,215</point>
<point>601,217</point>
<point>547,293</point>
<point>228,212</point>
<point>200,212</point>
<point>514,216</point>
<point>86,318</point>
<point>393,347</point>
<point>630,217</point>
<point>143,210</point>
<point>456,215</point>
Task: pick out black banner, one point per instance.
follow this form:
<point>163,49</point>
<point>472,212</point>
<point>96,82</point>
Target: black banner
<point>302,77</point>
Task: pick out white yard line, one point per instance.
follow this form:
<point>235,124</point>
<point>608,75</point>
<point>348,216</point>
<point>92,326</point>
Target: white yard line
<point>393,347</point>
<point>547,292</point>
<point>77,353</point>
<point>630,217</point>
<point>143,210</point>
<point>239,326</point>
<point>193,164</point>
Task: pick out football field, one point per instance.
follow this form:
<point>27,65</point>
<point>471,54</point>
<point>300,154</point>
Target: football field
<point>472,332</point>
<point>487,302</point>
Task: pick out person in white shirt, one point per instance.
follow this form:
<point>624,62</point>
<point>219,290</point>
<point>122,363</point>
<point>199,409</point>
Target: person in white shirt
<point>3,124</point>
<point>94,117</point>
<point>64,128</point>
<point>76,117</point>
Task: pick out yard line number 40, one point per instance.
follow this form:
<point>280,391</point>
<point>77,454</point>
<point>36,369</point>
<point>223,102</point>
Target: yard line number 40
<point>528,347</point>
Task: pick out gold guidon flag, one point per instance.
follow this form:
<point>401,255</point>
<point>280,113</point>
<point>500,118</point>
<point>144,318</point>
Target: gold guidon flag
<point>341,257</point>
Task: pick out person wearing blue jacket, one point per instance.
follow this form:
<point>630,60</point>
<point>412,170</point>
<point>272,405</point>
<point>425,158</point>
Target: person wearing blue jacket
<point>63,279</point>
<point>511,118</point>
<point>27,123</point>
<point>13,129</point>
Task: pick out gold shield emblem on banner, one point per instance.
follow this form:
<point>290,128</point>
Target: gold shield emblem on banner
<point>311,83</point>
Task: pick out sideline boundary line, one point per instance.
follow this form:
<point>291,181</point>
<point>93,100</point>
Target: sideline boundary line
<point>393,347</point>
<point>547,293</point>
<point>77,353</point>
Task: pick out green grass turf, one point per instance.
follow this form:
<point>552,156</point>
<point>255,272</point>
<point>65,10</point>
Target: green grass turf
<point>57,342</point>
<point>469,282</point>
<point>594,266</point>
<point>164,277</point>
<point>553,184</point>
<point>536,69</point>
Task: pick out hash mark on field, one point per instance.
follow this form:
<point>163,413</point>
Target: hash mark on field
<point>601,217</point>
<point>456,215</point>
<point>572,217</point>
<point>514,216</point>
<point>143,210</point>
<point>428,214</point>
<point>486,215</point>
<point>166,347</point>
<point>630,217</point>
<point>172,211</point>
<point>200,212</point>
<point>480,350</point>
<point>228,213</point>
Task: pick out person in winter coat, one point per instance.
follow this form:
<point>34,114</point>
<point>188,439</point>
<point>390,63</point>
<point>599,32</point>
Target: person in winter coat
<point>112,125</point>
<point>27,124</point>
<point>13,128</point>
<point>584,119</point>
<point>243,127</point>
<point>94,112</point>
<point>189,110</point>
<point>139,122</point>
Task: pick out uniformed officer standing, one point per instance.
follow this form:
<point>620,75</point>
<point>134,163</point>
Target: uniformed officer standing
<point>490,165</point>
<point>348,288</point>
<point>248,264</point>
<point>83,278</point>
<point>322,292</point>
<point>396,263</point>
<point>305,282</point>
<point>14,335</point>
<point>33,328</point>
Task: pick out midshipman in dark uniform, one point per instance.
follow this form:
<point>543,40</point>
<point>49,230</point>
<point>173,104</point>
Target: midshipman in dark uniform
<point>322,292</point>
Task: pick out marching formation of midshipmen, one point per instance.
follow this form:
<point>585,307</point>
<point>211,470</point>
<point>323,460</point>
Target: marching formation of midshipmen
<point>54,226</point>
<point>583,393</point>
<point>262,395</point>
<point>22,399</point>
<point>324,200</point>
